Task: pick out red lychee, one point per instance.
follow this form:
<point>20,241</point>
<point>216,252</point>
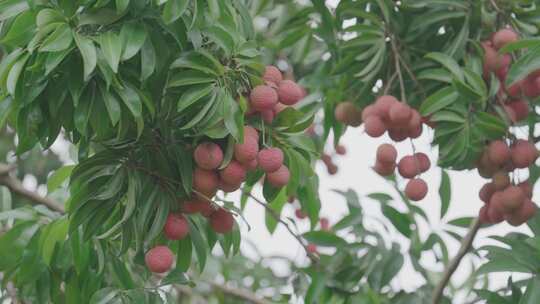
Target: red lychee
<point>347,113</point>
<point>270,159</point>
<point>400,114</point>
<point>300,214</point>
<point>498,152</point>
<point>386,154</point>
<point>234,173</point>
<point>341,150</point>
<point>289,92</point>
<point>520,109</point>
<point>423,161</point>
<point>252,165</point>
<point>205,181</point>
<point>523,154</point>
<point>279,178</point>
<point>250,131</point>
<point>197,206</point>
<point>503,37</point>
<point>486,192</point>
<point>501,180</point>
<point>311,248</point>
<point>176,227</point>
<point>247,151</point>
<point>398,135</point>
<point>409,167</point>
<point>512,199</point>
<point>325,224</point>
<point>272,74</point>
<point>228,188</point>
<point>374,126</point>
<point>416,189</point>
<point>384,169</point>
<point>268,116</point>
<point>263,97</point>
<point>523,214</point>
<point>208,155</point>
<point>221,221</point>
<point>159,259</point>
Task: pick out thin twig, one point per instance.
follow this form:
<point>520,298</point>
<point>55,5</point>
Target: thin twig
<point>314,258</point>
<point>15,186</point>
<point>237,293</point>
<point>466,244</point>
<point>398,70</point>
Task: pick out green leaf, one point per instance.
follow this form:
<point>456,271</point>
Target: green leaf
<point>58,177</point>
<point>532,293</point>
<point>48,16</point>
<point>174,9</point>
<point>88,53</point>
<point>133,36</point>
<point>222,38</point>
<point>112,104</point>
<point>444,193</point>
<point>111,46</point>
<point>200,61</point>
<point>275,205</point>
<point>55,232</point>
<point>15,73</point>
<point>59,40</point>
<point>21,31</point>
<point>324,238</point>
<point>463,222</point>
<point>190,77</point>
<point>11,8</point>
<point>200,244</point>
<point>131,99</point>
<point>316,288</point>
<point>522,67</point>
<point>176,276</point>
<point>401,221</point>
<point>121,5</point>
<point>438,101</point>
<point>183,256</point>
<point>148,60</point>
<point>104,296</point>
<point>234,118</point>
<point>449,63</point>
<point>192,95</point>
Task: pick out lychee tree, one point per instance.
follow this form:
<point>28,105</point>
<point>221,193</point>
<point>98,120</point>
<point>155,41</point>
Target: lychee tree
<point>169,105</point>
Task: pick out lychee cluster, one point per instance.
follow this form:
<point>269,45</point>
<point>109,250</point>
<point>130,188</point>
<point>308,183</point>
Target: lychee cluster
<point>274,96</point>
<point>514,104</point>
<point>401,122</point>
<point>328,161</point>
<point>505,201</point>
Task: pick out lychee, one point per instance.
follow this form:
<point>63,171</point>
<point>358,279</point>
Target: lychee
<point>374,126</point>
<point>279,178</point>
<point>498,152</point>
<point>416,189</point>
<point>176,227</point>
<point>205,181</point>
<point>409,167</point>
<point>383,105</point>
<point>400,114</point>
<point>512,199</point>
<point>348,114</point>
<point>520,109</point>
<point>159,259</point>
<point>523,154</point>
<point>486,192</point>
<point>268,116</point>
<point>384,169</point>
<point>423,161</point>
<point>221,221</point>
<point>501,180</point>
<point>270,159</point>
<point>311,248</point>
<point>523,214</point>
<point>208,155</point>
<point>527,188</point>
<point>332,169</point>
<point>272,74</point>
<point>387,154</point>
<point>252,165</point>
<point>250,131</point>
<point>300,214</point>
<point>234,173</point>
<point>263,97</point>
<point>197,206</point>
<point>325,224</point>
<point>503,37</point>
<point>398,134</point>
<point>289,92</point>
<point>341,150</point>
<point>228,188</point>
<point>247,151</point>
<point>483,215</point>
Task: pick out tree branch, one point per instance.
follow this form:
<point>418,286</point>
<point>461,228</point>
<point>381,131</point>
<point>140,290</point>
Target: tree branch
<point>15,186</point>
<point>314,258</point>
<point>238,293</point>
<point>466,244</point>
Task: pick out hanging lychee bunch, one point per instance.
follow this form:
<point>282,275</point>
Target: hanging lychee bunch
<point>513,97</point>
<point>274,96</point>
<point>401,122</point>
<point>503,199</point>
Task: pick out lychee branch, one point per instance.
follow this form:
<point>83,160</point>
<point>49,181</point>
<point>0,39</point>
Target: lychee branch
<point>314,258</point>
<point>15,186</point>
<point>466,245</point>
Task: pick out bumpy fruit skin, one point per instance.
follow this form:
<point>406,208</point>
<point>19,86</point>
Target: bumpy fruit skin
<point>384,169</point>
<point>272,74</point>
<point>348,114</point>
<point>503,37</point>
<point>490,59</point>
<point>400,114</point>
<point>247,151</point>
<point>176,227</point>
<point>270,159</point>
<point>520,109</point>
<point>512,199</point>
<point>234,173</point>
<point>414,126</point>
<point>383,105</point>
<point>252,165</point>
<point>208,155</point>
<point>263,97</point>
<point>228,188</point>
<point>374,126</point>
<point>159,259</point>
<point>386,154</point>
<point>221,221</point>
<point>250,131</point>
<point>498,152</point>
<point>523,154</point>
<point>289,92</point>
<point>409,167</point>
<point>523,214</point>
<point>205,181</point>
<point>268,116</point>
<point>486,168</point>
<point>416,189</point>
<point>279,178</point>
